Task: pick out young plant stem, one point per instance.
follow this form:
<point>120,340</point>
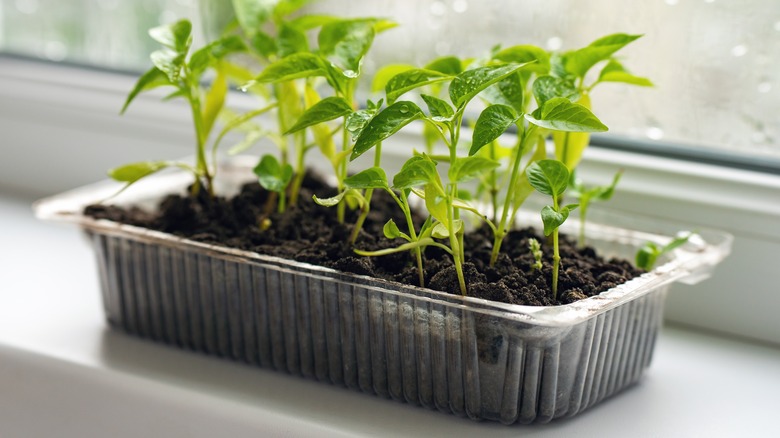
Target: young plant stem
<point>455,137</point>
<point>404,204</point>
<point>201,162</point>
<point>342,174</point>
<point>501,229</point>
<point>456,247</point>
<point>556,264</point>
<point>368,195</point>
<point>300,168</point>
<point>493,181</point>
<point>280,123</point>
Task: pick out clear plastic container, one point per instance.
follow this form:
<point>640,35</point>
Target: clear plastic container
<point>460,355</point>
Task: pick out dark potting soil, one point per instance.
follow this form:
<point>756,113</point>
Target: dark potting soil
<point>311,233</point>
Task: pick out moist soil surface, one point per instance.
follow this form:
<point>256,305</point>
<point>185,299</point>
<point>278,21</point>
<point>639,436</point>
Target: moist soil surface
<point>311,233</point>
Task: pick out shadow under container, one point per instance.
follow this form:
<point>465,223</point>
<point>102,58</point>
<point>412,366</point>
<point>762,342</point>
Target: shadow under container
<point>460,355</point>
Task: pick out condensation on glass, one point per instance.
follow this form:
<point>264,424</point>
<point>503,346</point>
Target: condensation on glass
<point>715,63</point>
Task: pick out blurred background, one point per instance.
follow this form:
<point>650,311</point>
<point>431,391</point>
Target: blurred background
<point>715,63</point>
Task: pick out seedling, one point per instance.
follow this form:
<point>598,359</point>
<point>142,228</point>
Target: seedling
<point>569,71</point>
<point>585,196</point>
<point>274,177</point>
<point>536,252</point>
<point>649,252</point>
<point>342,46</point>
<point>175,67</point>
<point>550,177</point>
<point>417,171</point>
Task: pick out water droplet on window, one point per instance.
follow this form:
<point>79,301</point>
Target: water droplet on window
<point>654,133</point>
<point>764,87</point>
<point>672,2</point>
<point>554,43</point>
<point>27,6</point>
<point>460,6</point>
<point>739,50</point>
<point>438,9</point>
<point>55,50</point>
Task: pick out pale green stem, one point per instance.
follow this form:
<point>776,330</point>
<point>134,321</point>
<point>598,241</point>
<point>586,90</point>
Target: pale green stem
<point>300,168</point>
<point>412,233</point>
<point>502,225</point>
<point>368,195</point>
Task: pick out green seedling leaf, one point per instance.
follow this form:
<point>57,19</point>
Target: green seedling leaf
<point>553,219</point>
<point>615,72</point>
<point>384,74</point>
<point>468,84</point>
<point>371,178</point>
<point>153,78</point>
<point>358,120</point>
<point>290,40</point>
<point>604,193</point>
<point>578,62</point>
<point>272,175</point>
<point>168,62</point>
<point>130,173</point>
<point>296,66</point>
<point>409,80</point>
<point>284,8</point>
<point>347,195</point>
<point>253,14</point>
<point>507,92</point>
<point>492,122</point>
<point>386,123</point>
<point>215,100</point>
<point>647,256</point>
<point>391,231</point>
<point>206,56</point>
<point>440,230</point>
<point>312,21</point>
<point>325,110</point>
<point>537,59</point>
<point>448,65</point>
<point>264,44</point>
<point>649,252</point>
<point>176,36</point>
<point>548,87</point>
<point>346,42</point>
<point>550,177</point>
<point>569,146</point>
<point>436,203</point>
<point>560,114</point>
<point>440,110</point>
<point>417,171</point>
<point>464,169</point>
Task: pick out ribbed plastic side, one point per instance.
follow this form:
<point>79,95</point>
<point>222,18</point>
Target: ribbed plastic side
<point>418,351</point>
